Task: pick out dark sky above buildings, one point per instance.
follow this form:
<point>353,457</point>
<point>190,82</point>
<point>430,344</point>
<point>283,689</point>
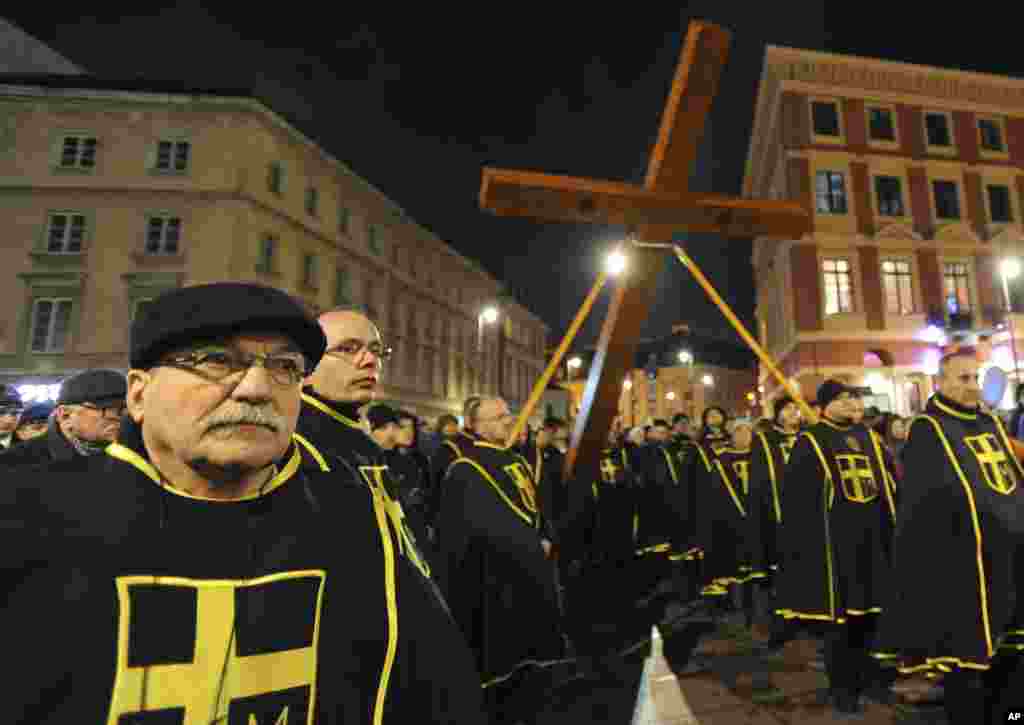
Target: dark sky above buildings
<point>416,98</point>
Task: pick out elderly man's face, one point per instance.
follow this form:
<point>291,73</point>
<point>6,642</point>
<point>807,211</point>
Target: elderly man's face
<point>8,418</point>
<point>202,416</point>
<point>28,431</point>
<point>351,368</point>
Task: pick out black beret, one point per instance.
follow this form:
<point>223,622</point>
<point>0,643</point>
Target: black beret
<point>9,397</point>
<point>93,386</point>
<point>36,413</point>
<point>382,415</point>
<point>221,309</point>
<point>832,389</point>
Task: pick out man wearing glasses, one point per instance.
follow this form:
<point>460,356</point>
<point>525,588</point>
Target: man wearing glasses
<point>202,574</point>
<point>87,420</point>
<point>330,421</point>
<point>10,408</point>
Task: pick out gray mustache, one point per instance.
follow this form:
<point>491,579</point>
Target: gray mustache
<point>250,416</point>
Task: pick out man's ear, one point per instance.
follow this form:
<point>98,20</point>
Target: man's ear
<point>138,387</point>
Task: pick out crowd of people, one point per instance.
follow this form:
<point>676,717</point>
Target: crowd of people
<point>238,530</point>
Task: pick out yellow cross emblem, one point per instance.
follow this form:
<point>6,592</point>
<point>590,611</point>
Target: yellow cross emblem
<point>994,464</point>
<point>609,471</point>
<point>202,648</point>
<point>742,471</point>
<point>521,477</point>
<point>857,478</point>
<point>407,545</point>
<point>786,446</point>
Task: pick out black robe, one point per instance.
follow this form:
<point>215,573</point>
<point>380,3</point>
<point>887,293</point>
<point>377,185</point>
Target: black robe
<point>615,508</point>
<point>447,452</point>
<point>499,584</point>
<point>51,447</point>
<point>959,558</point>
<point>546,465</point>
<point>122,595</point>
<point>332,438</point>
<point>721,498</point>
<point>661,482</point>
<point>769,455</point>
<point>839,517</point>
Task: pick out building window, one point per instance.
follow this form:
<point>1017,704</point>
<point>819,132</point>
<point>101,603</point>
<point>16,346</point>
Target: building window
<point>66,234</point>
<point>889,192</point>
<point>268,249</point>
<point>373,239</point>
<point>344,218</point>
<point>173,156</point>
<point>275,177</point>
<point>838,286</point>
<point>956,287</point>
<point>947,200</point>
<point>50,321</point>
<point>312,201</point>
<point>163,235</point>
<point>1000,209</point>
<point>831,192</point>
<point>991,133</point>
<point>309,270</point>
<point>937,128</point>
<point>78,152</point>
<point>898,285</point>
<point>880,124</point>
<point>342,292</point>
<point>825,116</point>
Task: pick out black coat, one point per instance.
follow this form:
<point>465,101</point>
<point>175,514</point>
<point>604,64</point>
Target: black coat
<point>51,447</point>
<point>296,593</point>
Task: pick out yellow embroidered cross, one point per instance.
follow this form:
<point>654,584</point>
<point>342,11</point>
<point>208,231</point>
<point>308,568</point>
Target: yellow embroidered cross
<point>993,463</point>
<point>858,480</point>
<point>786,445</point>
<point>521,477</point>
<point>609,471</point>
<point>742,471</point>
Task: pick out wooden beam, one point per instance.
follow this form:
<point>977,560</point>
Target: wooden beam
<point>564,198</point>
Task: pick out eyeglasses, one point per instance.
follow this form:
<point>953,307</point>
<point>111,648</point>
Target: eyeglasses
<point>285,368</point>
<point>352,349</point>
<point>105,410</point>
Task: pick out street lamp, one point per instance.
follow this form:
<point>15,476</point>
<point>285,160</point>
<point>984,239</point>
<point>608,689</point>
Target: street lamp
<point>708,381</point>
<point>671,395</point>
<point>574,363</point>
<point>685,357</point>
<point>615,263</point>
<point>1010,269</point>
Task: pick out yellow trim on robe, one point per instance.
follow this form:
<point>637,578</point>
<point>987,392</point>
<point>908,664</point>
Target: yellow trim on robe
<point>325,409</point>
<point>728,486</point>
<point>772,475</point>
<point>955,413</point>
<point>494,484</point>
<point>828,498</point>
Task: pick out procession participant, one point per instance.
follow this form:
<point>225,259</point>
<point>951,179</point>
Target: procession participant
<point>87,420</point>
<point>209,576</point>
<point>496,570</point>
<point>446,454</point>
<point>712,430</point>
<point>33,422</point>
<point>839,516</point>
<point>962,511</point>
<point>11,407</point>
<point>330,427</point>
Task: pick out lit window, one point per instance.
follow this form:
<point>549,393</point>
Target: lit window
<point>956,287</point>
<point>898,286</point>
<point>830,192</point>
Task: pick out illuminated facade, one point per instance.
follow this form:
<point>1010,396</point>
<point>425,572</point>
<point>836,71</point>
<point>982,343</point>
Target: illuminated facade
<point>916,179</point>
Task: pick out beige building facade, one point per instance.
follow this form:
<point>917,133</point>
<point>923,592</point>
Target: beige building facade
<point>915,176</point>
<point>111,195</point>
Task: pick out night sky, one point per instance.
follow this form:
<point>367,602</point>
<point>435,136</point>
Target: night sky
<point>418,99</point>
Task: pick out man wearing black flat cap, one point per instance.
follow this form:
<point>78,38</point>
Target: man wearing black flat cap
<point>87,420</point>
<point>838,520</point>
<point>211,578</point>
<point>10,408</point>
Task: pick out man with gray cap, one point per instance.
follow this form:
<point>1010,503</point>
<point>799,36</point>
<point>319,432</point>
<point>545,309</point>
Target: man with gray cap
<point>213,579</point>
<point>87,420</point>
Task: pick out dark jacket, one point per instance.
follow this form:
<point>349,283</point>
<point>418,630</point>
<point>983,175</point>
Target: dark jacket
<point>50,448</point>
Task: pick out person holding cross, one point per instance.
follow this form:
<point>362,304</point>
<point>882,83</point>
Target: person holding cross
<point>839,516</point>
<point>194,571</point>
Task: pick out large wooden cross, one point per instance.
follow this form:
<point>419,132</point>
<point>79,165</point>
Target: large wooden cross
<point>656,212</point>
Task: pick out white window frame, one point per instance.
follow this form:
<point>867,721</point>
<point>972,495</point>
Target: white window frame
<point>839,140</point>
<point>58,151</point>
<point>914,305</point>
<point>875,202</point>
<point>953,148</point>
<point>846,191</point>
<point>851,270</point>
<point>69,214</point>
<point>961,206</point>
<point>165,217</point>
<point>174,140</point>
<point>271,266</point>
<point>49,347</point>
<point>882,143</point>
<point>1001,123</point>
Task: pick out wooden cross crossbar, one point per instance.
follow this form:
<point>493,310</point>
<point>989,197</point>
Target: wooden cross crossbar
<point>658,211</point>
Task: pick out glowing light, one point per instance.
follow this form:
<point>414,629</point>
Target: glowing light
<point>616,263</point>
<point>760,389</point>
<point>933,334</point>
<point>39,393</point>
<point>930,362</point>
<point>751,397</point>
<point>685,357</point>
<point>489,315</point>
<point>574,362</point>
<point>671,395</point>
<point>1010,268</point>
<point>876,382</point>
<point>708,380</point>
<point>627,384</point>
<point>1002,358</point>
